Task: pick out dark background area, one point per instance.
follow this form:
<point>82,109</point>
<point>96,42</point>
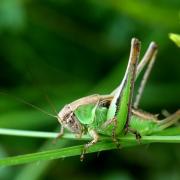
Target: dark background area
<point>68,49</point>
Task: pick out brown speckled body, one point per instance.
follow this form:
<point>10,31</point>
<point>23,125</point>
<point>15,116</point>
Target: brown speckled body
<point>67,118</point>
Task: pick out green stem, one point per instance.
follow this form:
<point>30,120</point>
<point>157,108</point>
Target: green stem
<point>76,150</point>
<point>38,134</point>
<point>105,144</point>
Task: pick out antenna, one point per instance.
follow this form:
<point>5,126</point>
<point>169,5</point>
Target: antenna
<point>36,82</point>
<point>51,104</point>
<point>27,103</point>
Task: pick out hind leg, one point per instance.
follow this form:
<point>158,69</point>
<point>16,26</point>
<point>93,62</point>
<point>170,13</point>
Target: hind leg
<point>170,120</point>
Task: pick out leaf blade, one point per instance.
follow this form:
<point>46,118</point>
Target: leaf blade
<point>76,150</point>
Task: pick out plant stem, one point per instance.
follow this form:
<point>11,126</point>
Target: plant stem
<point>105,144</point>
<point>38,134</point>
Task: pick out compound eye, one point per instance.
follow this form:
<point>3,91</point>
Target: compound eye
<point>70,121</point>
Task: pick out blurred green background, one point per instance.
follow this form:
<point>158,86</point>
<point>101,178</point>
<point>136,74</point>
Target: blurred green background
<point>67,49</point>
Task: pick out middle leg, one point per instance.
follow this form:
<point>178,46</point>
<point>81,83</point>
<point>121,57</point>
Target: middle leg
<point>95,137</point>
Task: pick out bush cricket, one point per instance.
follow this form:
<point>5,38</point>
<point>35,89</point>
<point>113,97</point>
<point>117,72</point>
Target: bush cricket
<point>115,114</point>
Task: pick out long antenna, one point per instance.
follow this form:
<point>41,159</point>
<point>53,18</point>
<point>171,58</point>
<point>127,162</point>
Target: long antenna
<point>27,103</point>
<point>51,104</point>
<point>36,82</point>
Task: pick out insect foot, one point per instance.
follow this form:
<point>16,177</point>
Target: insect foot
<point>95,137</point>
<point>135,132</point>
<point>61,133</point>
<point>83,152</point>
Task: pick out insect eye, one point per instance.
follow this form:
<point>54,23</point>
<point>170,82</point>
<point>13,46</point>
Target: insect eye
<point>70,121</point>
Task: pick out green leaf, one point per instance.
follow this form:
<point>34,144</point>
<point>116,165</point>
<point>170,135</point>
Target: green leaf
<point>53,154</point>
<point>76,150</point>
<point>175,38</point>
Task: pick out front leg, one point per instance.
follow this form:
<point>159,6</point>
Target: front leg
<point>60,134</point>
<point>95,137</point>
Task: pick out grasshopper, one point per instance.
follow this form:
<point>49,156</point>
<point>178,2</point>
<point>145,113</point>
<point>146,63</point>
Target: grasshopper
<point>115,114</point>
